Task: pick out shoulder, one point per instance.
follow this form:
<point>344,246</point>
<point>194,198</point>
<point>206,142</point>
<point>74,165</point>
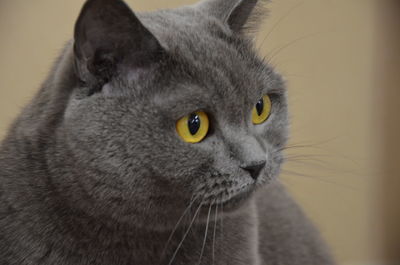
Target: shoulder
<point>286,235</point>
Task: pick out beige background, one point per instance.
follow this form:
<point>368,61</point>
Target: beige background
<point>324,48</point>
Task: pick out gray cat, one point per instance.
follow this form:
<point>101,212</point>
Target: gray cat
<point>156,139</point>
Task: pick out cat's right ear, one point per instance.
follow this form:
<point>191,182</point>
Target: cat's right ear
<point>239,15</point>
<point>108,35</point>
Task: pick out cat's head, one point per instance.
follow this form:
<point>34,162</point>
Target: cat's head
<point>173,106</point>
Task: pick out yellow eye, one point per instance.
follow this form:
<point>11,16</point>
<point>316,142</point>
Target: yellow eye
<point>261,110</point>
<point>193,127</point>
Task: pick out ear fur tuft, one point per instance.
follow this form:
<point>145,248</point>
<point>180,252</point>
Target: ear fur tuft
<point>241,16</point>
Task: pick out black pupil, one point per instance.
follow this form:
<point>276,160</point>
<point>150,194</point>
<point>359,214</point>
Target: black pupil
<point>194,123</point>
<point>260,107</point>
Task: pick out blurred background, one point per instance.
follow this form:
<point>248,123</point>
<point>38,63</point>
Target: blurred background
<point>341,61</point>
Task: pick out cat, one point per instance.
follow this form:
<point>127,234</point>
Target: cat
<point>157,138</point>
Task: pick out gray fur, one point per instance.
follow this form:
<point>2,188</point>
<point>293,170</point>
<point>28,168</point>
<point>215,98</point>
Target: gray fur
<point>103,178</point>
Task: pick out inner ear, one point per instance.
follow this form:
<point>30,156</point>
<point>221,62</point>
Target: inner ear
<point>108,35</point>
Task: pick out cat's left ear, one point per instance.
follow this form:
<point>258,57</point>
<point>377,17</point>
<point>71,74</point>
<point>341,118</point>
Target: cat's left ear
<point>238,15</point>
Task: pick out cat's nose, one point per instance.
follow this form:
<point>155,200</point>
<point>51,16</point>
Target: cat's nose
<point>254,169</point>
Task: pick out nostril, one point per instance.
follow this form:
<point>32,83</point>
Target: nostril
<point>254,169</point>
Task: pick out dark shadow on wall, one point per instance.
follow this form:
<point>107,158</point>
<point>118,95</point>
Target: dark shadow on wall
<point>388,92</point>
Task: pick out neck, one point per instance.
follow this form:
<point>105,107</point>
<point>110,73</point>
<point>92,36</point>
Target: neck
<point>56,227</point>
<point>224,237</point>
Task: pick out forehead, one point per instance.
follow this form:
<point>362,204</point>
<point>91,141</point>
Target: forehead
<point>206,53</point>
<point>210,68</point>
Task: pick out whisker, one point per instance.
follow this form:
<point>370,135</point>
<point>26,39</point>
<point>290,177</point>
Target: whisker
<point>275,52</point>
<point>311,145</point>
<point>329,168</point>
<point>205,234</point>
<point>335,155</point>
<point>310,159</point>
<point>177,224</point>
<point>316,146</point>
<point>214,233</point>
<point>278,22</point>
<point>292,173</point>
<point>307,156</point>
<point>186,233</point>
<point>222,221</point>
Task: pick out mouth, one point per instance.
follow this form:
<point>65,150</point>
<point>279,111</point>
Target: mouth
<point>231,199</point>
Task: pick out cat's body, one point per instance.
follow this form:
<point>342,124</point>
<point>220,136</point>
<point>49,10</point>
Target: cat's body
<point>88,177</point>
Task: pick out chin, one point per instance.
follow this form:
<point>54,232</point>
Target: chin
<point>229,203</point>
<point>239,200</point>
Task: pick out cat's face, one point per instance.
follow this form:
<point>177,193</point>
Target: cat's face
<point>127,136</point>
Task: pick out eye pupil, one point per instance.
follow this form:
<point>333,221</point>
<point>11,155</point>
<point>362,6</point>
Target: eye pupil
<point>194,123</point>
<point>260,107</point>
